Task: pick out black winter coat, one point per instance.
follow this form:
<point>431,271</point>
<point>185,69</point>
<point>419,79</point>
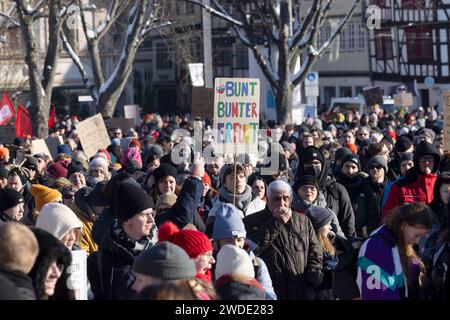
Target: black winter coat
<point>22,282</point>
<point>109,270</point>
<point>291,252</point>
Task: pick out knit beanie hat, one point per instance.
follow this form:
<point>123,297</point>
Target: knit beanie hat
<point>341,153</point>
<point>194,242</point>
<point>43,195</point>
<point>380,160</point>
<point>312,153</point>
<point>164,170</point>
<point>10,198</point>
<point>59,169</point>
<point>31,163</point>
<point>104,151</point>
<point>132,200</point>
<point>135,142</point>
<point>75,167</point>
<point>153,150</point>
<point>228,223</point>
<point>166,200</point>
<point>4,152</point>
<point>4,172</point>
<point>165,261</point>
<point>96,198</point>
<point>352,158</point>
<point>406,156</point>
<point>233,260</point>
<point>306,181</point>
<point>427,132</point>
<point>99,163</point>
<point>319,216</point>
<point>403,143</point>
<point>58,219</point>
<point>63,148</point>
<point>207,179</point>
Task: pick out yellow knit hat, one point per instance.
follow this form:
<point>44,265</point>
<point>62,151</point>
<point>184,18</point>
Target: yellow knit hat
<point>43,195</point>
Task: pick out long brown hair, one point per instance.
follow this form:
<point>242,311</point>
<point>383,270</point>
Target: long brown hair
<point>415,215</point>
<point>325,243</point>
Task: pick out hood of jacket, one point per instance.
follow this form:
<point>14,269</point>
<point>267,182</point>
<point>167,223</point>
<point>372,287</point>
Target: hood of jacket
<point>426,148</point>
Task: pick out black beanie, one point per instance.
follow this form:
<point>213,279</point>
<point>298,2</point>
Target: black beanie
<point>352,158</point>
<point>96,198</point>
<point>306,181</point>
<point>319,216</point>
<point>312,153</point>
<point>132,200</point>
<point>9,198</point>
<point>164,170</point>
<point>4,172</point>
<point>341,153</point>
<point>75,167</point>
<point>406,156</point>
<point>403,143</point>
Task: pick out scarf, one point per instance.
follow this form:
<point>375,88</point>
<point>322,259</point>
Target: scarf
<point>131,154</point>
<point>242,200</point>
<point>207,277</point>
<point>133,247</point>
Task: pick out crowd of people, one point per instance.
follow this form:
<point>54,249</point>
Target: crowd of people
<point>356,208</point>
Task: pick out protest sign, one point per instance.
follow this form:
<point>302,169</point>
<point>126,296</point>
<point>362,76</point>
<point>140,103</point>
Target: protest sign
<point>93,135</point>
<point>7,134</point>
<point>196,73</point>
<point>38,146</point>
<point>446,104</point>
<point>124,124</point>
<point>78,274</point>
<point>373,95</point>
<point>236,115</point>
<point>202,100</point>
<point>52,145</point>
<point>132,111</point>
<point>404,99</point>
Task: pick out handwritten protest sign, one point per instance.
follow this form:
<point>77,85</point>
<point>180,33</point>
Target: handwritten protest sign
<point>373,95</point>
<point>122,123</point>
<point>446,105</point>
<point>93,135</point>
<point>78,274</point>
<point>38,146</point>
<point>236,115</point>
<point>403,99</point>
<point>52,145</point>
<point>132,111</point>
<point>202,99</point>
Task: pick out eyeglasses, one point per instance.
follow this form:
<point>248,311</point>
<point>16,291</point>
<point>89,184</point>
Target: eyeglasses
<point>377,167</point>
<point>306,188</point>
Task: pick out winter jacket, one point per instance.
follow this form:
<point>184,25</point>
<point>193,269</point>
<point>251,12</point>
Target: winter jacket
<point>291,252</point>
<point>109,269</point>
<point>324,290</point>
<point>380,274</point>
<point>378,189</point>
<point>336,197</point>
<point>415,186</point>
<point>238,287</point>
<point>437,265</point>
<point>87,218</point>
<point>184,210</point>
<point>22,282</point>
<point>364,204</point>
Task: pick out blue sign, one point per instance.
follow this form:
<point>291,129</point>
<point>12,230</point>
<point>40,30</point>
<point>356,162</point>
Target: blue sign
<point>429,81</point>
<point>311,76</point>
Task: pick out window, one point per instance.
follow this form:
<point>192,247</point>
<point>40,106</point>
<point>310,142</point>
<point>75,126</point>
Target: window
<point>330,92</point>
<point>383,44</point>
<point>162,57</point>
<point>345,92</point>
<point>241,57</point>
<point>358,91</point>
<point>419,44</point>
<point>413,4</point>
<point>351,36</point>
<point>222,53</point>
<point>327,34</point>
<point>361,37</point>
<point>189,8</point>
<point>342,40</point>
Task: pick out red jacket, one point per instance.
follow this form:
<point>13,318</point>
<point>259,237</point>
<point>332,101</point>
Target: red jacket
<point>404,191</point>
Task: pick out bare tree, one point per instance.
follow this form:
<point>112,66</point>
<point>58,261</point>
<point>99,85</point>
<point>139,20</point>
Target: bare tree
<point>142,19</point>
<point>41,76</point>
<point>280,28</point>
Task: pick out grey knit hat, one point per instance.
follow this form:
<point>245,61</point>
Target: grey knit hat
<point>319,216</point>
<point>165,261</point>
<point>380,160</point>
<point>228,223</point>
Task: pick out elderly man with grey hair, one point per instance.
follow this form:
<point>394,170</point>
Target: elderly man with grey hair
<point>287,243</point>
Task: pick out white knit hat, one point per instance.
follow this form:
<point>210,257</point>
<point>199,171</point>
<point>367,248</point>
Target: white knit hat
<point>99,163</point>
<point>233,260</point>
<point>57,219</point>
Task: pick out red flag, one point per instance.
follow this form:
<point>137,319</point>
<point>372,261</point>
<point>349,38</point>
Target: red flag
<point>51,120</point>
<point>23,123</point>
<point>7,111</point>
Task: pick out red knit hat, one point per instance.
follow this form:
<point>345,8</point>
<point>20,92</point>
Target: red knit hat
<point>206,179</point>
<point>59,169</point>
<point>105,152</point>
<point>352,147</point>
<point>193,242</point>
<point>136,143</point>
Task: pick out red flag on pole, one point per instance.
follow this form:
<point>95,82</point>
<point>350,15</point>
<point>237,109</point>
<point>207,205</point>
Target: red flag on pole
<point>23,123</point>
<point>7,111</point>
<point>51,120</point>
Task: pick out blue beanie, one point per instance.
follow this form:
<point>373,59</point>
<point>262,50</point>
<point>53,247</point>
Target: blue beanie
<point>64,148</point>
<point>228,223</point>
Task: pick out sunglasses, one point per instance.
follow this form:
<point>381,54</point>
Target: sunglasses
<point>378,167</point>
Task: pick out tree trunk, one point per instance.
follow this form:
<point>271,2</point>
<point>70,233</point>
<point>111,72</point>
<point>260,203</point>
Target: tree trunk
<point>283,100</point>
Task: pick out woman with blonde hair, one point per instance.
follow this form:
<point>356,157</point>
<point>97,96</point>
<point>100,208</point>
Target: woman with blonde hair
<point>388,267</point>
